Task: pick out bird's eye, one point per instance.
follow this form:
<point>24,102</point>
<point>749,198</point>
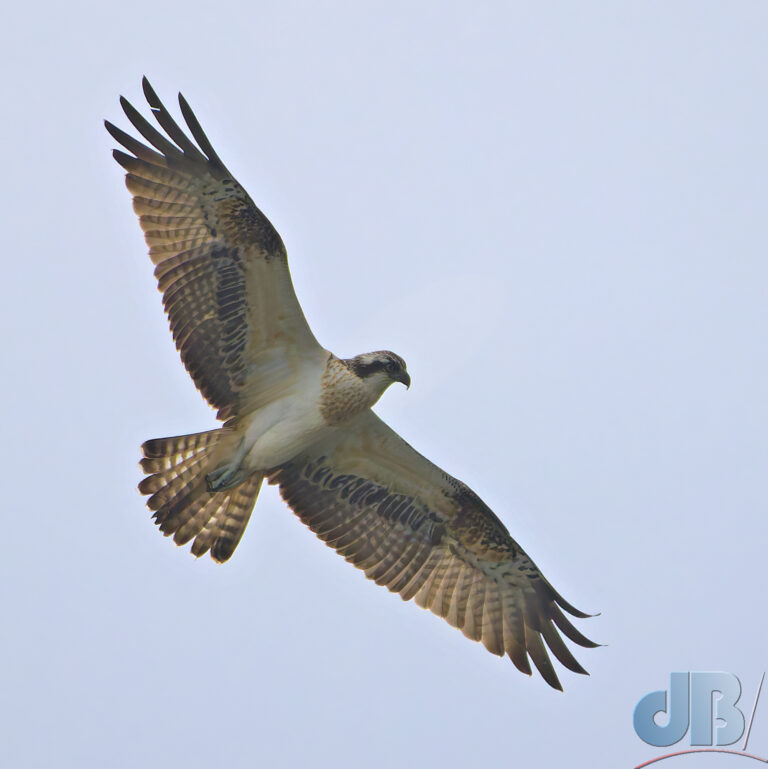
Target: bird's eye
<point>391,367</point>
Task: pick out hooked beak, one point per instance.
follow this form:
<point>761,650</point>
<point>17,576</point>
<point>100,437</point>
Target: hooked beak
<point>403,377</point>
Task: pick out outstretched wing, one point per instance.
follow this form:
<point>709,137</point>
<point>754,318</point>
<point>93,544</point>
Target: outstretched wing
<point>220,264</point>
<point>425,535</point>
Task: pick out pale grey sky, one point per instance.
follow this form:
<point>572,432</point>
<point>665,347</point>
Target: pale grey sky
<point>555,212</point>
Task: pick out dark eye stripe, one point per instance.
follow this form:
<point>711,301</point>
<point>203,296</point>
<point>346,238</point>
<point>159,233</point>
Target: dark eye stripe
<point>365,366</point>
<point>366,369</point>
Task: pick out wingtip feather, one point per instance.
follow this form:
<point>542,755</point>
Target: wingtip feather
<point>198,133</point>
<point>149,92</point>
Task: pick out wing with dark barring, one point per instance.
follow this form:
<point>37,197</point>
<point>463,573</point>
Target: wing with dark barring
<point>421,533</point>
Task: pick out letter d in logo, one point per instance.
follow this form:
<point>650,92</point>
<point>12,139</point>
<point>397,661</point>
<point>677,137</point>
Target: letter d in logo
<point>656,702</point>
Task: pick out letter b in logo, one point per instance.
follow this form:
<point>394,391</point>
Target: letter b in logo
<point>692,693</point>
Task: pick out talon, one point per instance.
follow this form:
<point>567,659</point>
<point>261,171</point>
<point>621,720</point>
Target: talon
<point>224,478</point>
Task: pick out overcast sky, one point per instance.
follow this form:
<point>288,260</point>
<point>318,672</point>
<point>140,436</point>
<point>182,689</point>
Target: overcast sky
<point>555,212</point>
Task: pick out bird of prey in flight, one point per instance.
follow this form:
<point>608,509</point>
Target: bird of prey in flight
<point>297,415</point>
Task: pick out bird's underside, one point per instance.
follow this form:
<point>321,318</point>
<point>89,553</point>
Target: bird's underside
<point>301,417</point>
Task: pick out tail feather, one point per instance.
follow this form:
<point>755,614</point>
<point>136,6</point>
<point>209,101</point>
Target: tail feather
<point>179,496</point>
<point>164,485</point>
<point>174,448</point>
<point>199,513</point>
<point>170,499</point>
<point>224,529</point>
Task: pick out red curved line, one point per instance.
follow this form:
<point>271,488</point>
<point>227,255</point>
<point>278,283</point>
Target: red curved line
<point>703,750</point>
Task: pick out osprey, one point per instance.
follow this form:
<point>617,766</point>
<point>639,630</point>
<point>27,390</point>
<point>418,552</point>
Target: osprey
<point>299,416</point>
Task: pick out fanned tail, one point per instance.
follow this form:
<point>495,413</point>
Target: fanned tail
<point>183,505</point>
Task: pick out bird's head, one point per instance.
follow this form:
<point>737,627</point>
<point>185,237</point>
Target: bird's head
<point>380,369</point>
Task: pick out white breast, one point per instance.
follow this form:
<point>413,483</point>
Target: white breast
<point>279,430</point>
